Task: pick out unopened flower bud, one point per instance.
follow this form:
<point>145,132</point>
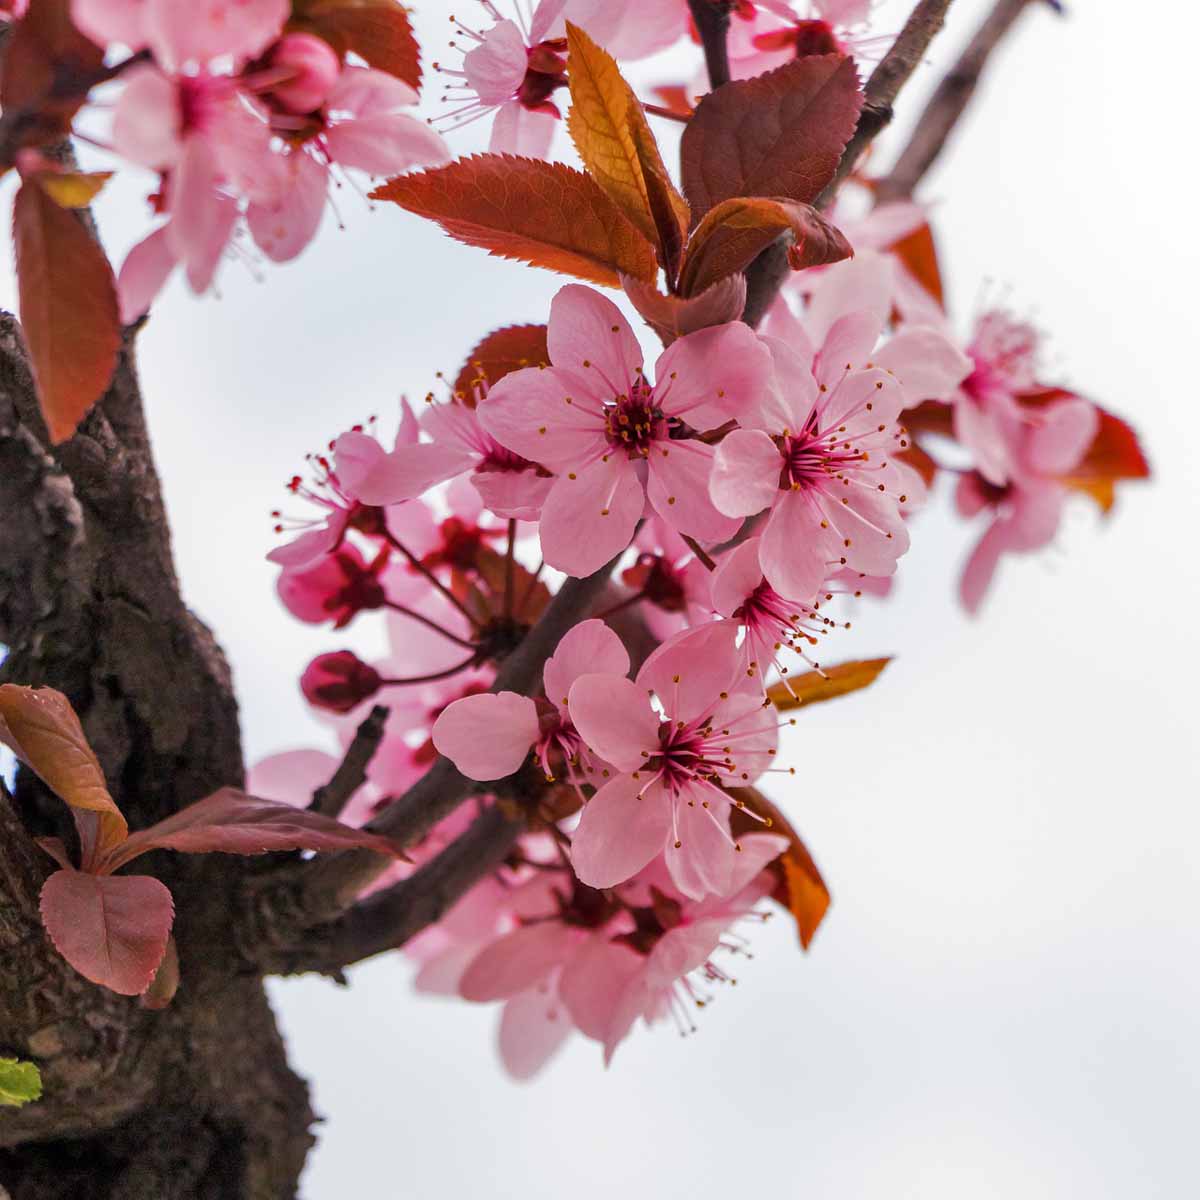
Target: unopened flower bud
<point>339,681</point>
<point>316,67</point>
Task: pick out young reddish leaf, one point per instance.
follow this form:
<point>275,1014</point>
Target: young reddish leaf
<point>232,822</point>
<point>40,727</point>
<point>799,887</point>
<point>918,252</point>
<point>778,134</point>
<point>505,350</point>
<point>47,68</point>
<point>673,316</point>
<point>732,235</point>
<point>610,132</point>
<point>68,308</point>
<point>378,31</point>
<point>536,212</point>
<point>827,684</point>
<point>112,929</point>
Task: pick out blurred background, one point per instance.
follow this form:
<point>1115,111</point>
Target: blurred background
<point>1004,999</point>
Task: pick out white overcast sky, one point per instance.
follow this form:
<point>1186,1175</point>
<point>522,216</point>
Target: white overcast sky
<point>1004,999</point>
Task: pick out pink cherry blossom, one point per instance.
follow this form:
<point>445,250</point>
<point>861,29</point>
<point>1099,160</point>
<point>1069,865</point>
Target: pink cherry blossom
<point>1044,444</point>
<point>353,483</point>
<point>775,626</point>
<point>508,484</point>
<point>512,70</point>
<point>362,126</point>
<point>671,580</point>
<point>678,940</point>
<point>820,451</point>
<point>1004,356</point>
<point>664,796</point>
<point>335,587</point>
<point>489,736</point>
<point>819,456</point>
<point>211,143</point>
<point>559,968</point>
<point>616,440</point>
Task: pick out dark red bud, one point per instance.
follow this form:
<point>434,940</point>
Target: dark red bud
<point>339,681</point>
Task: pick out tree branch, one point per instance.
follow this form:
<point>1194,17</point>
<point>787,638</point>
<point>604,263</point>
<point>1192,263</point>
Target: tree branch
<point>765,275</point>
<point>711,18</point>
<point>389,918</point>
<point>351,774</point>
<point>948,103</point>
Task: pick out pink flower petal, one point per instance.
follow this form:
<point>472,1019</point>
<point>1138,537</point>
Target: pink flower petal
<point>202,30</point>
<point>523,131</point>
<point>613,715</point>
<point>517,961</point>
<point>713,374</point>
<point>619,832</point>
<point>795,552</point>
<point>202,218</point>
<point>745,473</point>
<point>862,284</point>
<point>143,273</point>
<point>528,412</point>
<point>702,863</point>
<point>487,736</point>
<point>847,347</point>
<point>310,546</point>
<point>590,515</point>
<point>147,122</point>
<point>1061,436</point>
<point>533,1026</point>
<point>386,144</point>
<point>292,776</point>
<point>107,21</point>
<point>873,533</point>
<point>737,576</point>
<point>677,485</point>
<point>589,336</point>
<point>928,365</point>
<point>495,68</point>
<point>285,225</point>
<point>689,671</point>
<point>592,982</point>
<point>630,28</point>
<point>591,647</point>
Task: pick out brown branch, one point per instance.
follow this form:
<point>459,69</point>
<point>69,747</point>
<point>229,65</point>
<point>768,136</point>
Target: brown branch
<point>389,918</point>
<point>711,18</point>
<point>351,774</point>
<point>948,103</point>
<point>766,274</point>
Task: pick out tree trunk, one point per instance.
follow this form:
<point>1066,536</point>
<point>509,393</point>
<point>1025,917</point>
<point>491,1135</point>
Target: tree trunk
<point>196,1100</point>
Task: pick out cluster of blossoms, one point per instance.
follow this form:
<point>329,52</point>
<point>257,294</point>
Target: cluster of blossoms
<point>746,481</point>
<point>741,487</point>
<point>245,119</point>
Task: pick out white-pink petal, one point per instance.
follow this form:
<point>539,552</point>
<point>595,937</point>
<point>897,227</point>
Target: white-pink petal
<point>588,335</point>
<point>487,736</point>
<point>619,832</point>
<point>591,647</point>
<point>614,717</point>
<point>745,473</point>
<point>590,515</point>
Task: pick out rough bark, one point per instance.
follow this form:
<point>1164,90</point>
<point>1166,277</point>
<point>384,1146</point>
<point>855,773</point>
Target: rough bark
<point>197,1100</point>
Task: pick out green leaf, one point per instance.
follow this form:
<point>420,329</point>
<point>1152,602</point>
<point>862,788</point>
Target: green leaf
<point>20,1082</point>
